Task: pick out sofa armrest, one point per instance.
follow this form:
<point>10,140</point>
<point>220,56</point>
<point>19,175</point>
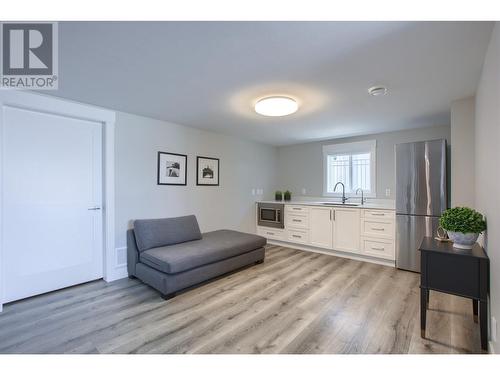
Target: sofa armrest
<point>132,252</point>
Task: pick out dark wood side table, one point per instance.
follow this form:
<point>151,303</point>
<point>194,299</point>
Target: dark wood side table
<point>463,273</point>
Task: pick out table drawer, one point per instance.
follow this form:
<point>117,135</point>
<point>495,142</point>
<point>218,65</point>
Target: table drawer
<point>373,228</point>
<point>297,210</point>
<point>377,247</point>
<point>300,236</point>
<point>451,274</point>
<point>297,221</point>
<point>378,214</point>
<point>271,233</point>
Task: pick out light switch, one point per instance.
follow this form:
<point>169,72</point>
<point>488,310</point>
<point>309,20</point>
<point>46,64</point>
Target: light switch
<point>253,191</point>
<point>304,191</point>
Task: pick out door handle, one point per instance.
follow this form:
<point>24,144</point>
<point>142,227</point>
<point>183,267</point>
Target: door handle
<point>96,208</point>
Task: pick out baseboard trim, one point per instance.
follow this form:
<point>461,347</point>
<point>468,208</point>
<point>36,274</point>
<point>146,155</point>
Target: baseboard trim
<point>119,272</point>
<point>341,254</point>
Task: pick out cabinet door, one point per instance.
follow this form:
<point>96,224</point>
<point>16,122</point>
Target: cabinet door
<point>321,227</point>
<point>346,236</point>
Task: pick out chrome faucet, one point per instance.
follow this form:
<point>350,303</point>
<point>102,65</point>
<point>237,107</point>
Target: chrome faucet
<point>343,191</point>
<point>363,200</point>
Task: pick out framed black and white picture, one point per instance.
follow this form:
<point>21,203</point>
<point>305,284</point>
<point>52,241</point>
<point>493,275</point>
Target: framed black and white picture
<point>172,169</point>
<point>207,171</point>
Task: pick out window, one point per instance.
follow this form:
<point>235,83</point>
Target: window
<point>353,164</point>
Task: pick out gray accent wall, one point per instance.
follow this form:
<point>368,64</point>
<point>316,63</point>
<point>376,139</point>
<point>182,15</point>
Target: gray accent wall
<point>487,176</point>
<point>301,166</point>
<point>244,165</point>
<point>462,164</point>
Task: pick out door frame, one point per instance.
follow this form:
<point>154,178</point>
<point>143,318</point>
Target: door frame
<point>62,107</point>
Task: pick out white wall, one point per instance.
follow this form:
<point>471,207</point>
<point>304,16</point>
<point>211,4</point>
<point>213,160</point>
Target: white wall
<point>301,166</point>
<point>462,162</point>
<point>487,158</point>
<point>244,165</point>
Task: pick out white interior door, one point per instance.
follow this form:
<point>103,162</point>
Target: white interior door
<point>52,180</point>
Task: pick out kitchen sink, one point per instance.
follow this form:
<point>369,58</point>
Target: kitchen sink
<point>339,204</point>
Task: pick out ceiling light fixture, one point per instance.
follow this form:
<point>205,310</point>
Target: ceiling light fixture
<point>377,91</point>
<point>276,106</point>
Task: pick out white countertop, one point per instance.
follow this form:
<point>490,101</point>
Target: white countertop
<point>381,205</point>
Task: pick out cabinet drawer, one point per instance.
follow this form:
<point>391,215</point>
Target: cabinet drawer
<point>379,248</point>
<point>378,214</point>
<point>297,221</point>
<point>271,233</point>
<point>297,210</point>
<point>378,228</point>
<point>300,236</point>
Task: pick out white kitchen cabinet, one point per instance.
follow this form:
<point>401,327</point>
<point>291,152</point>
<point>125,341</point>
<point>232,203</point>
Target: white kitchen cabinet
<point>297,235</point>
<point>271,233</point>
<point>378,228</point>
<point>297,221</point>
<point>346,233</point>
<point>321,227</point>
<point>365,232</point>
<point>377,247</point>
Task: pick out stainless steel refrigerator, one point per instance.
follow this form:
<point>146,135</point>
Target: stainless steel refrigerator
<point>420,197</point>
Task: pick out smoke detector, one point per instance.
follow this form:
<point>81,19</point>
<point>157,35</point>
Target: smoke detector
<point>377,91</point>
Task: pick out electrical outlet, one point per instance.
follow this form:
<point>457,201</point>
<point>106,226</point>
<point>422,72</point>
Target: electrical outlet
<point>493,329</point>
<point>387,192</point>
<point>304,191</point>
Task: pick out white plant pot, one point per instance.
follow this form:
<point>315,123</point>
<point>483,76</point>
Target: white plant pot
<point>463,240</point>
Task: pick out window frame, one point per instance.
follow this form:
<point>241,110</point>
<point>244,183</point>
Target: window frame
<point>351,148</point>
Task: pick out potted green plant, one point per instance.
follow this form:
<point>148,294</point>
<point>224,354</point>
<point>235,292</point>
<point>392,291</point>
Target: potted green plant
<point>463,225</point>
<point>288,195</point>
<point>278,195</point>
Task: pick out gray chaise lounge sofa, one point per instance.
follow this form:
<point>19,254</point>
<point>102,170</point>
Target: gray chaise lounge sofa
<point>171,254</point>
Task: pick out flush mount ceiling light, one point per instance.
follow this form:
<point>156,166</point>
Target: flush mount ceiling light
<point>377,91</point>
<point>276,106</point>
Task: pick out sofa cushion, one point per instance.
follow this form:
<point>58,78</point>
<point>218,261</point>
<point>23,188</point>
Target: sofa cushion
<point>163,232</point>
<point>213,247</point>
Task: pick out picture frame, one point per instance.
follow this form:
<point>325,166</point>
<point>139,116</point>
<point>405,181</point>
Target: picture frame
<point>172,169</point>
<point>207,171</point>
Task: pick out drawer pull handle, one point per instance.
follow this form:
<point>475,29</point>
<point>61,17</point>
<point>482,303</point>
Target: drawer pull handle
<point>380,229</point>
<point>297,220</point>
<point>271,233</point>
<point>378,248</point>
<point>297,208</point>
<point>375,214</point>
<point>296,236</point>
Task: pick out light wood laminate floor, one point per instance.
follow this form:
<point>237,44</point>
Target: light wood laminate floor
<point>295,302</point>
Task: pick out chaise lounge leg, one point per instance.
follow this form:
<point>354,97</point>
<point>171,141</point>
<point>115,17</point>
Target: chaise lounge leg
<point>260,261</point>
<point>168,296</point>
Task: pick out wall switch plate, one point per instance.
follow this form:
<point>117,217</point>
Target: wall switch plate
<point>253,191</point>
<point>304,191</point>
<point>387,192</point>
<point>493,329</point>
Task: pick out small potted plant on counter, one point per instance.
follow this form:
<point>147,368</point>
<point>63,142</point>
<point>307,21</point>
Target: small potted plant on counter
<point>463,225</point>
<point>278,195</point>
<point>288,195</point>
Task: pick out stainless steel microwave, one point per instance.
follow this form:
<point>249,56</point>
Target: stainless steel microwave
<point>271,215</point>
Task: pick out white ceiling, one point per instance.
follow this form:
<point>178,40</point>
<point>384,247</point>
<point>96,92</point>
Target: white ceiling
<point>208,74</point>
